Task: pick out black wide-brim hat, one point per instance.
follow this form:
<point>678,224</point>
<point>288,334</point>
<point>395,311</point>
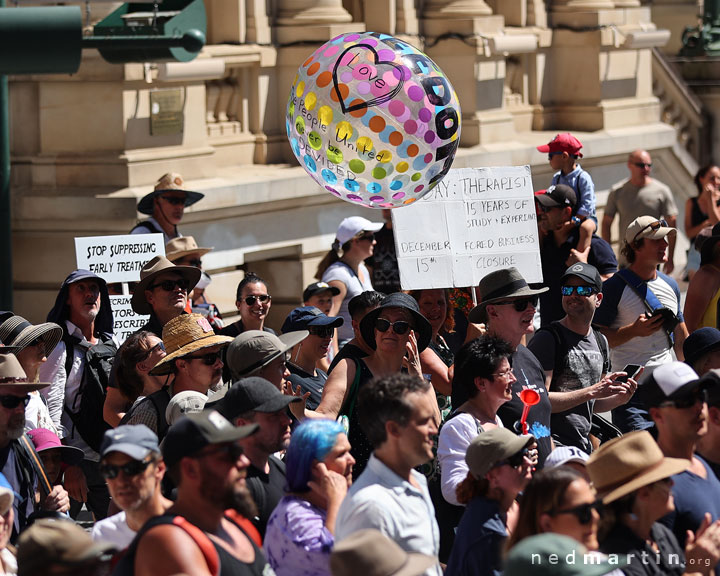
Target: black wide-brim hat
<point>498,286</point>
<point>421,326</point>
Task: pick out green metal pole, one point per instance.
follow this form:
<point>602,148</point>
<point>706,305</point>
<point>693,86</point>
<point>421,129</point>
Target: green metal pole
<point>6,274</point>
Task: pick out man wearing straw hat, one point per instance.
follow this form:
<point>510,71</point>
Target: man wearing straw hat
<point>16,454</point>
<point>163,292</point>
<point>165,205</point>
<point>193,356</point>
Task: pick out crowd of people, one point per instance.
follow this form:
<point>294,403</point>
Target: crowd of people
<point>571,426</point>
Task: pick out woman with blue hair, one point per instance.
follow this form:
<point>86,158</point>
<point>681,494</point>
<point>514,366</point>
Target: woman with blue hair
<point>300,532</point>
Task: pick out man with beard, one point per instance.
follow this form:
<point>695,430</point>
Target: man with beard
<point>576,361</point>
<point>256,401</point>
<point>133,468</point>
<point>82,309</point>
<point>193,357</point>
<point>397,414</point>
<point>677,403</point>
<point>204,527</point>
<point>15,459</point>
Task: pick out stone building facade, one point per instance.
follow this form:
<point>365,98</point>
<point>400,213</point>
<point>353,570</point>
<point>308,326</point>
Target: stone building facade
<point>83,150</point>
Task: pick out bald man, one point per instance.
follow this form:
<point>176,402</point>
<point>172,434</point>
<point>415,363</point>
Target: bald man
<point>640,195</point>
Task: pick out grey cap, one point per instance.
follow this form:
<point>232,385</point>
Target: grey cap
<point>253,349</point>
<point>137,441</point>
<point>491,447</point>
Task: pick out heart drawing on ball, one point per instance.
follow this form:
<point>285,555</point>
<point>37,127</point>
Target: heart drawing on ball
<point>386,92</point>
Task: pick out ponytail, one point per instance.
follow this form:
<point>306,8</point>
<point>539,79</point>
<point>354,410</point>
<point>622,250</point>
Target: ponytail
<point>331,257</point>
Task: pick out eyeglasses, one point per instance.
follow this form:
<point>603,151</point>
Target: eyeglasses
<point>515,461</point>
<point>366,236</point>
<point>11,402</point>
<point>250,300</point>
<point>504,374</point>
<point>583,512</point>
<point>643,164</point>
<point>579,290</point>
<point>654,226</point>
<point>174,200</point>
<point>321,331</point>
<point>686,401</point>
<point>169,285</point>
<point>208,359</point>
<point>230,452</point>
<point>551,154</point>
<point>399,327</point>
<point>520,304</point>
<point>132,468</point>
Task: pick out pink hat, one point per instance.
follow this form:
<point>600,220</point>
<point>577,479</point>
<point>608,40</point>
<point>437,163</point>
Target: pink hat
<point>565,142</point>
<point>44,439</point>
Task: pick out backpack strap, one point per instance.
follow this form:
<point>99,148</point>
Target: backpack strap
<point>149,226</point>
<point>28,450</point>
<point>160,401</point>
<point>245,525</point>
<point>349,405</point>
<point>645,294</point>
<point>603,345</point>
<point>203,542</point>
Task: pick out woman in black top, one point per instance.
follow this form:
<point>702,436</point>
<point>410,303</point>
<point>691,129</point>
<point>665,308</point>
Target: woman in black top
<point>702,210</point>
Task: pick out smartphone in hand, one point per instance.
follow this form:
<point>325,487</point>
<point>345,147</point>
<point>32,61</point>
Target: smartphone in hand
<point>631,370</point>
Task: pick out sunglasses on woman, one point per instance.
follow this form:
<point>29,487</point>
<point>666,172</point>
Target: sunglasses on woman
<point>132,468</point>
<point>516,460</point>
<point>208,359</point>
<point>159,346</point>
<point>321,331</point>
<point>366,236</point>
<point>583,512</point>
<point>579,290</point>
<point>250,300</point>
<point>400,327</point>
<point>520,304</point>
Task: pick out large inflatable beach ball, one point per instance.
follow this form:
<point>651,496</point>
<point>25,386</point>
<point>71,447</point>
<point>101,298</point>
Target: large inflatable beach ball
<point>373,120</point>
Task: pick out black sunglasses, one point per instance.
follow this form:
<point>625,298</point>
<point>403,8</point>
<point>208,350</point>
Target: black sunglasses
<point>11,402</point>
<point>132,468</point>
<point>321,331</point>
<point>169,285</point>
<point>174,200</point>
<point>643,164</point>
<point>250,300</point>
<point>579,290</point>
<point>230,451</point>
<point>520,304</point>
<point>160,345</point>
<point>366,236</point>
<point>516,460</point>
<point>399,327</point>
<point>654,226</point>
<point>686,401</point>
<point>583,512</point>
<point>208,359</point>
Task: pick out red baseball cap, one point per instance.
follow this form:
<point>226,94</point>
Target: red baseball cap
<point>565,142</point>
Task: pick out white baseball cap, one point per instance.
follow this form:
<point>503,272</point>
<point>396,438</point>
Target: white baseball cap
<point>565,455</point>
<point>352,226</point>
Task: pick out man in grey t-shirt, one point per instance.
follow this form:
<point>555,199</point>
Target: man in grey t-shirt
<point>640,195</point>
<point>575,360</point>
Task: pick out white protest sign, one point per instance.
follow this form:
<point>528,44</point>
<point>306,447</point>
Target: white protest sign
<point>475,221</point>
<point>119,259</point>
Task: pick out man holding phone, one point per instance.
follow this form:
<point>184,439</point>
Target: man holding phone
<point>631,315</point>
<point>576,361</point>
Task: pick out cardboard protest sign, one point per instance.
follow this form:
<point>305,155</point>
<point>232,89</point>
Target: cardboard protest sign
<point>119,259</point>
<point>475,221</point>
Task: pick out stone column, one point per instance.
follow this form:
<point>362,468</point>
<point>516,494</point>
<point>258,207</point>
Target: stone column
<point>477,75</point>
<point>311,20</point>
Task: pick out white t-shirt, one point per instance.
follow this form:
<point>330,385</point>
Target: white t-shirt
<point>114,529</point>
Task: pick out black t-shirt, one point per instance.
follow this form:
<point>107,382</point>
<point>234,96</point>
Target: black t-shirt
<point>582,366</point>
<point>529,374</point>
<point>347,351</point>
<point>385,272</point>
<point>308,383</point>
<point>266,490</point>
<point>622,543</point>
